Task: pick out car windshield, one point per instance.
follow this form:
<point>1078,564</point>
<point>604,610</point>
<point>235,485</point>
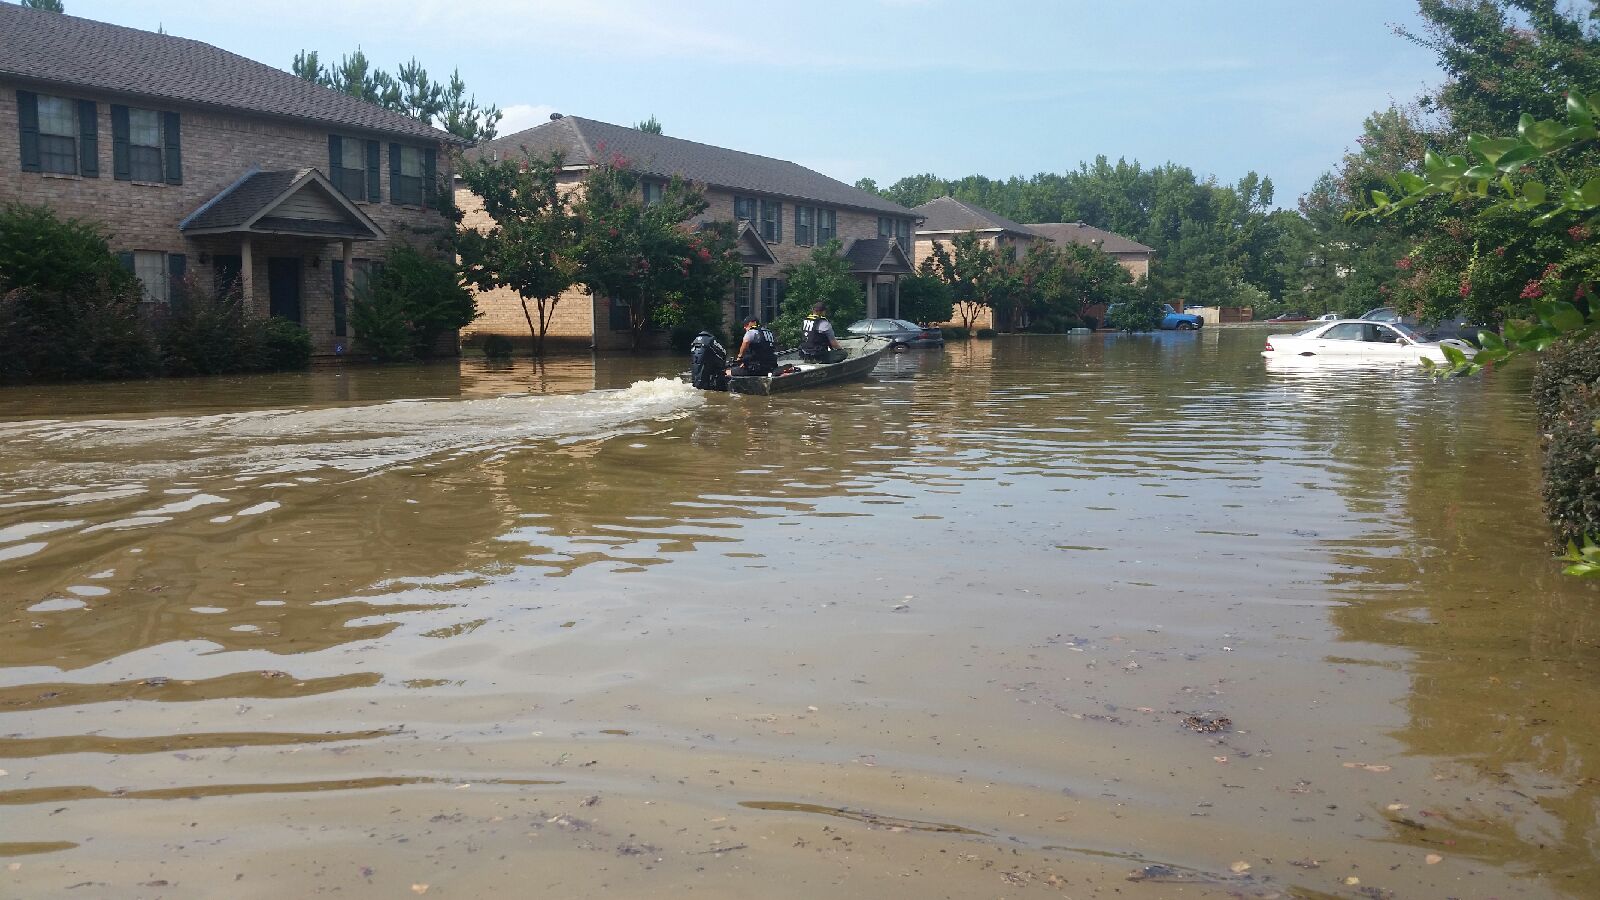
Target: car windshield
<point>1408,331</point>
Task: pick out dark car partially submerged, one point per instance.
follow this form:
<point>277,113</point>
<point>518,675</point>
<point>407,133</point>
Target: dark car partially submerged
<point>1460,328</point>
<point>899,333</point>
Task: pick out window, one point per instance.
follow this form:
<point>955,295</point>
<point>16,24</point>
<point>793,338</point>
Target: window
<point>653,191</point>
<point>144,145</point>
<point>885,227</point>
<point>772,221</point>
<point>1346,331</point>
<point>744,209</point>
<point>348,159</point>
<point>741,298</point>
<point>406,176</point>
<point>902,233</point>
<point>772,290</point>
<point>804,232</point>
<point>58,135</point>
<point>150,268</point>
<point>827,226</point>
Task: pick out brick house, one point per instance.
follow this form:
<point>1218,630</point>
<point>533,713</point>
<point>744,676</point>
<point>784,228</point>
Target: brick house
<point>1134,256</point>
<point>784,212</point>
<point>943,218</point>
<point>205,164</point>
<point>946,217</point>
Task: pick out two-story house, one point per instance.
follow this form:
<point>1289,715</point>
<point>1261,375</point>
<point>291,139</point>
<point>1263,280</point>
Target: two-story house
<point>785,212</point>
<point>205,164</point>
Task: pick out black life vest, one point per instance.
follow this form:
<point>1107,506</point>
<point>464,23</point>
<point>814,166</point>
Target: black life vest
<point>761,356</point>
<point>812,338</point>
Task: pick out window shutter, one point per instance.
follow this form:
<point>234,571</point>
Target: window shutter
<point>779,218</point>
<point>394,172</point>
<point>169,129</point>
<point>335,157</point>
<point>430,171</point>
<point>374,182</point>
<point>120,167</point>
<point>88,139</point>
<point>125,259</point>
<point>177,268</point>
<point>28,125</point>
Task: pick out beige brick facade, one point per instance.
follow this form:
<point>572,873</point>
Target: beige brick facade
<point>217,149</point>
<point>584,321</point>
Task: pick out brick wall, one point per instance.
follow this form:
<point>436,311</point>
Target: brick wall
<point>217,148</point>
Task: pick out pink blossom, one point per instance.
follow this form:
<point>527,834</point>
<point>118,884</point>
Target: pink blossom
<point>1533,290</point>
<point>1403,262</point>
<point>1466,287</point>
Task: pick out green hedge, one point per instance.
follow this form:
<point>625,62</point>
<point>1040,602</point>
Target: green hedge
<point>1566,394</point>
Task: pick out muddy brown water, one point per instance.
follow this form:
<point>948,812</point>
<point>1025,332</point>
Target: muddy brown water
<point>473,631</point>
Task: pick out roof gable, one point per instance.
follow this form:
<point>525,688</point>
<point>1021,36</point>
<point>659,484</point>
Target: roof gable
<point>581,140</point>
<point>289,201</point>
<point>881,256</point>
<point>55,48</point>
<point>950,214</point>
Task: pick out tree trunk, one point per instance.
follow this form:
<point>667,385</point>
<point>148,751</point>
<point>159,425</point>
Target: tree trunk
<point>536,333</point>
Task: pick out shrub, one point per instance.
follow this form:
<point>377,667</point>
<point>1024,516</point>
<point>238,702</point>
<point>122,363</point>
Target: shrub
<point>824,278</point>
<point>1565,369</point>
<point>408,303</point>
<point>985,333</point>
<point>497,346</point>
<point>205,334</point>
<point>1143,313</point>
<point>67,307</point>
<point>956,333</point>
<point>1054,323</point>
<point>280,345</point>
<point>1572,468</point>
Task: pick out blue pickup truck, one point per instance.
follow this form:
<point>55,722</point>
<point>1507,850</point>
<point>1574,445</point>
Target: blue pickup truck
<point>1171,319</point>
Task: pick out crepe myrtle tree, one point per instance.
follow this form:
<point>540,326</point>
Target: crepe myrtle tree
<point>532,246</point>
<point>967,265</point>
<point>1546,175</point>
<point>640,252</point>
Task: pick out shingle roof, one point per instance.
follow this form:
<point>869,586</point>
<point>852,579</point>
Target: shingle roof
<point>877,255</point>
<point>237,204</point>
<point>950,214</point>
<point>1079,233</point>
<point>583,139</point>
<point>61,49</point>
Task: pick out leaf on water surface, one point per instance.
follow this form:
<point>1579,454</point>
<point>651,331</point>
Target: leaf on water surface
<point>1396,807</point>
<point>1352,880</point>
<point>1433,859</point>
<point>1240,867</point>
<point>419,888</point>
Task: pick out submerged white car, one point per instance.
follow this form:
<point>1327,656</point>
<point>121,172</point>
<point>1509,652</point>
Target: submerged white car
<point>1355,341</point>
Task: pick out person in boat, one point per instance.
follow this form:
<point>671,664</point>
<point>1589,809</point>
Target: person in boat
<point>816,337</point>
<point>758,352</point>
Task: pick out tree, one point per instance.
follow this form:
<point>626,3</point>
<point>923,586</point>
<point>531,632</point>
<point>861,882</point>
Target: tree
<point>45,5</point>
<point>412,93</point>
<point>925,299</point>
<point>638,252</point>
<point>463,117</point>
<point>650,125</point>
<point>532,246</point>
<point>966,266</point>
<point>823,278</point>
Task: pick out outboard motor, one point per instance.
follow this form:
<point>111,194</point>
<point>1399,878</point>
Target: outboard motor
<point>708,368</point>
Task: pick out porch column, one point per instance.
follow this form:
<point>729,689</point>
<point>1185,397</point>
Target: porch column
<point>897,296</point>
<point>349,269</point>
<point>247,273</point>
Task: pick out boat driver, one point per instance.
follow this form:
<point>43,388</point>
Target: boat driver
<point>816,336</point>
<point>758,352</point>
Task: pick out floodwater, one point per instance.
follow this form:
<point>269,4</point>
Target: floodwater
<point>969,629</point>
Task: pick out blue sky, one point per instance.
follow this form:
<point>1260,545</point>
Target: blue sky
<point>888,88</point>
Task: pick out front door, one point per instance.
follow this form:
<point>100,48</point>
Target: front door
<point>225,271</point>
<point>283,287</point>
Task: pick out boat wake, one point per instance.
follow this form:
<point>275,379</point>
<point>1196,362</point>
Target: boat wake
<point>94,454</point>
